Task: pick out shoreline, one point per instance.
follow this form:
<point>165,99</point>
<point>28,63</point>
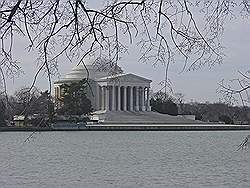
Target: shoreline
<point>132,128</point>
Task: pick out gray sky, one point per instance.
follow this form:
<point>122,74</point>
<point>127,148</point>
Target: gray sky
<point>197,85</point>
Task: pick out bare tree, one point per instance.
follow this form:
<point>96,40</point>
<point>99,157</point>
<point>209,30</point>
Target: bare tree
<point>24,101</point>
<point>162,30</point>
<point>236,89</point>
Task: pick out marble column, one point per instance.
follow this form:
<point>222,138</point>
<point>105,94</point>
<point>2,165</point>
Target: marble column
<point>131,98</point>
<point>97,97</point>
<point>107,98</point>
<point>148,101</point>
<point>119,98</point>
<point>143,108</point>
<point>103,98</point>
<point>100,98</point>
<point>59,92</point>
<point>136,98</point>
<point>56,96</point>
<point>113,98</point>
<point>124,98</point>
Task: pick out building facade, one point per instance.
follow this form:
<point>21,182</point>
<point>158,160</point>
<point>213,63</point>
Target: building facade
<point>116,92</point>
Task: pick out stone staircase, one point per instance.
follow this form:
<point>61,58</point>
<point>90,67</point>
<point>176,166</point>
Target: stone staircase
<point>128,117</point>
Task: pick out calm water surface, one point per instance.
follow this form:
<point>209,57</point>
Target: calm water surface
<point>124,159</point>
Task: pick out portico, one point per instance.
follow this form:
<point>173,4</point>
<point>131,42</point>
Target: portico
<point>123,98</point>
<point>125,92</point>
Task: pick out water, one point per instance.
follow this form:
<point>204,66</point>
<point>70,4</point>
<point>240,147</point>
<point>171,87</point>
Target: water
<point>124,159</point>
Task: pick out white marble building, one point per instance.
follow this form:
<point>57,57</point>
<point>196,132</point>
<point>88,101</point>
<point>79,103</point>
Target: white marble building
<point>119,98</point>
<point>116,92</point>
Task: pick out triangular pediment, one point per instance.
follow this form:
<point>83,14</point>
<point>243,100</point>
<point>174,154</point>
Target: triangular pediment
<point>126,78</point>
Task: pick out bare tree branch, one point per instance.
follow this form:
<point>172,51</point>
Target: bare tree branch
<point>162,29</point>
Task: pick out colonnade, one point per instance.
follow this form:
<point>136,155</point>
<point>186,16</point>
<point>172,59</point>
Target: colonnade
<point>123,98</point>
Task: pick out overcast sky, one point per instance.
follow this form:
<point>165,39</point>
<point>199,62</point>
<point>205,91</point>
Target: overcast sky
<point>197,85</point>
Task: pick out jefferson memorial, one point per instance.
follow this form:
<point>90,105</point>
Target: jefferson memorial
<point>116,97</point>
<point>117,92</point>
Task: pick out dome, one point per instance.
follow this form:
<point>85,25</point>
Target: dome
<point>80,71</point>
<point>77,73</point>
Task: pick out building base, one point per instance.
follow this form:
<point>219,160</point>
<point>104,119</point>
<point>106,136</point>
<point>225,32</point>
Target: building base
<point>139,117</point>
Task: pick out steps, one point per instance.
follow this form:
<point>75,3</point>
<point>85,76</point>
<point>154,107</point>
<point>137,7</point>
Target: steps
<point>129,117</point>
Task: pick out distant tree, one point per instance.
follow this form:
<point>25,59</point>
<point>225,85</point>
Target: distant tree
<point>164,104</point>
<point>217,112</point>
<point>32,102</point>
<point>194,109</point>
<point>198,116</point>
<point>2,113</point>
<point>236,89</point>
<point>46,106</point>
<point>75,101</point>
<point>24,101</point>
<point>226,119</point>
<point>179,100</point>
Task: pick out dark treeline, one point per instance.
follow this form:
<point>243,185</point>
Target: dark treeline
<point>33,102</point>
<point>164,104</point>
<point>39,108</point>
<point>208,112</point>
<point>215,112</point>
<point>2,113</point>
<point>26,102</point>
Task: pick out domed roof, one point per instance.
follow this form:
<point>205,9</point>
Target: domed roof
<point>80,72</point>
<point>90,70</point>
<point>77,73</point>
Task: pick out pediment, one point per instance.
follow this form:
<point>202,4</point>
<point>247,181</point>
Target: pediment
<point>126,78</point>
<point>132,78</point>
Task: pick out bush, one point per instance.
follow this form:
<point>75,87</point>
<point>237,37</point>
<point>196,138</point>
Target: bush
<point>164,107</point>
<point>226,119</point>
<point>2,114</point>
